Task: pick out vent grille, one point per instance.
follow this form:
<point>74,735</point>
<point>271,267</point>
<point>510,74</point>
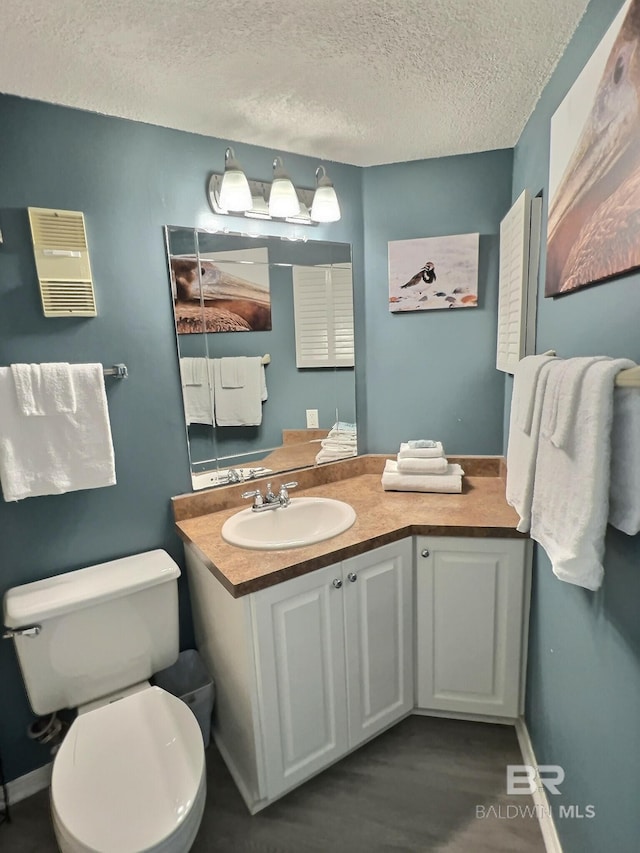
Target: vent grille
<point>62,262</point>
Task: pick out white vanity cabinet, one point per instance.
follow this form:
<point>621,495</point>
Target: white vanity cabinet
<point>307,669</point>
<point>334,660</point>
<point>472,605</point>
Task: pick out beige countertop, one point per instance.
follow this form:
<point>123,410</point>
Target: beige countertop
<point>382,517</point>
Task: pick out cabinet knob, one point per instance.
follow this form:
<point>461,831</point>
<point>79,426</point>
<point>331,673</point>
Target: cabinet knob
<point>424,552</point>
<point>337,583</point>
<point>352,576</point>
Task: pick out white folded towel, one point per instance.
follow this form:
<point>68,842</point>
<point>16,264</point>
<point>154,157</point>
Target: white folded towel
<point>530,379</point>
<point>624,488</point>
<point>197,390</point>
<point>232,372</point>
<point>240,406</point>
<point>44,389</point>
<point>408,452</point>
<point>52,454</point>
<point>449,483</point>
<point>333,455</point>
<point>343,426</point>
<point>423,466</point>
<point>418,443</point>
<point>571,489</point>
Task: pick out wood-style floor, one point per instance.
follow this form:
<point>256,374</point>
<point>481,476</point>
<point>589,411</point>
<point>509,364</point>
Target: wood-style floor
<point>415,788</point>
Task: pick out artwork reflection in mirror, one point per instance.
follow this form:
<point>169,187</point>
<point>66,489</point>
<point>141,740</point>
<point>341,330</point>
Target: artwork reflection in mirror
<point>246,397</point>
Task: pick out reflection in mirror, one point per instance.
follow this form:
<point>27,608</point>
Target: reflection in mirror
<point>265,341</point>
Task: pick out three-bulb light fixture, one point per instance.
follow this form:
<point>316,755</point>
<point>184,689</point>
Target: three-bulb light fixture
<point>233,193</point>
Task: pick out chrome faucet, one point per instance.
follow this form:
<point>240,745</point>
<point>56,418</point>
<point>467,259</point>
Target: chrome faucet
<point>270,499</point>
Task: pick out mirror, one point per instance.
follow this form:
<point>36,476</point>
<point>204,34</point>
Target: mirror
<point>264,329</point>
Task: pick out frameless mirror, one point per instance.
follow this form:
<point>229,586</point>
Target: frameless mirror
<point>264,329</point>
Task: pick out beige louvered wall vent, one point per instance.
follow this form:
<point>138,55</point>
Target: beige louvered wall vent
<point>62,261</point>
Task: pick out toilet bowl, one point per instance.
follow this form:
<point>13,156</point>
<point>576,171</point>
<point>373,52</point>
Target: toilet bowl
<point>130,777</point>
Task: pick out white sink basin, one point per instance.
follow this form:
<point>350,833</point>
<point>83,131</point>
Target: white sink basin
<point>303,522</point>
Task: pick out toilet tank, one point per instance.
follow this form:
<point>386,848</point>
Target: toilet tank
<point>103,628</point>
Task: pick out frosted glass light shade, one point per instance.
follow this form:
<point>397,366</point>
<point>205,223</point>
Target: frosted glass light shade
<point>325,207</point>
<point>235,193</point>
<point>283,198</point>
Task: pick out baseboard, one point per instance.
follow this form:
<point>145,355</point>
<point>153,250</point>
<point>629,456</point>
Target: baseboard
<point>540,799</point>
<point>30,783</point>
<point>250,801</point>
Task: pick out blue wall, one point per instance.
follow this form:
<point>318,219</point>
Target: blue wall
<point>583,693</point>
<point>432,373</point>
<point>130,180</point>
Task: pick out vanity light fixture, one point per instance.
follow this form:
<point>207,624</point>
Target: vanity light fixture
<point>325,206</point>
<point>232,193</point>
<point>283,198</point>
<point>235,194</point>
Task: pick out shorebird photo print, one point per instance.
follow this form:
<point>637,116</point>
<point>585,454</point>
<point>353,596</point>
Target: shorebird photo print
<point>433,272</point>
<point>593,230</point>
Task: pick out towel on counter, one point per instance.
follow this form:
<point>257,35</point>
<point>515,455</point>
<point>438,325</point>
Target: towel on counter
<point>571,489</point>
<point>53,454</point>
<point>624,488</point>
<point>423,466</point>
<point>530,379</point>
<point>408,452</point>
<point>448,483</point>
<point>232,372</point>
<point>421,443</point>
<point>44,389</point>
<point>240,406</point>
<point>197,390</point>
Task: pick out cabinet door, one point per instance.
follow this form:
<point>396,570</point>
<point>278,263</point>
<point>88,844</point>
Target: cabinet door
<point>299,648</point>
<point>379,638</point>
<point>470,609</point>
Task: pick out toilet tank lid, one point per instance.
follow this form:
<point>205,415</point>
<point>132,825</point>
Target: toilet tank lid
<point>44,599</point>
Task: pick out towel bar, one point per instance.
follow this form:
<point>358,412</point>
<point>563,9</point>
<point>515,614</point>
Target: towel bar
<point>118,370</point>
<point>629,378</point>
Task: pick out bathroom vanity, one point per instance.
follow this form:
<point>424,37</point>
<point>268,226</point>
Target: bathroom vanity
<point>420,607</point>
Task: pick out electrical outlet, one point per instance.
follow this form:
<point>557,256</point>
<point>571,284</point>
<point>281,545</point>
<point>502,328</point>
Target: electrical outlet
<point>312,419</point>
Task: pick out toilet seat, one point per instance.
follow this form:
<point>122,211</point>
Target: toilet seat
<point>130,777</point>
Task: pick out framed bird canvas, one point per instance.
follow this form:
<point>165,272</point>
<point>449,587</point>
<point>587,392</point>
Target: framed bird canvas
<point>433,272</point>
<point>593,230</point>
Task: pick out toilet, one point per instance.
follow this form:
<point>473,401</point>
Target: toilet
<point>130,774</point>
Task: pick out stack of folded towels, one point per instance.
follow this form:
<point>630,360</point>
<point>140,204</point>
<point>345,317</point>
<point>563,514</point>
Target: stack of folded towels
<point>421,466</point>
<point>340,443</point>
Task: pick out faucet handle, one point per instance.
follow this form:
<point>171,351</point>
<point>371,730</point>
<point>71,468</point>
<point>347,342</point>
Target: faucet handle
<point>257,494</point>
<point>283,492</point>
<point>291,485</point>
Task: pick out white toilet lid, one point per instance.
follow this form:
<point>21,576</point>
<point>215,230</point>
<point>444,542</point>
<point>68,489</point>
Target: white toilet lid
<point>127,774</point>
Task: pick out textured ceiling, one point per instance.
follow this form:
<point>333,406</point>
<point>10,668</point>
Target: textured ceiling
<point>358,81</point>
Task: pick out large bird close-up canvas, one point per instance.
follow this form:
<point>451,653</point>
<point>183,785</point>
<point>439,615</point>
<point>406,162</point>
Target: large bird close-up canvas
<point>221,292</point>
<point>433,272</point>
<point>593,230</point>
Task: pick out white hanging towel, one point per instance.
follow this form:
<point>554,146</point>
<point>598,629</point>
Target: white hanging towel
<point>571,490</point>
<point>53,454</point>
<point>624,490</point>
<point>197,390</point>
<point>44,389</point>
<point>240,406</point>
<point>529,382</point>
<point>232,372</point>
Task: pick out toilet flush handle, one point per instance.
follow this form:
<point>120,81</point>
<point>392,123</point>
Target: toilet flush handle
<point>27,631</point>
